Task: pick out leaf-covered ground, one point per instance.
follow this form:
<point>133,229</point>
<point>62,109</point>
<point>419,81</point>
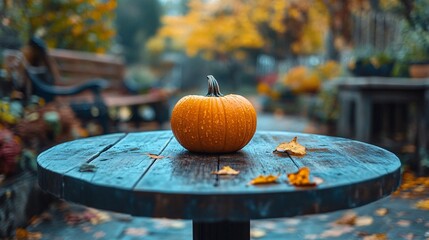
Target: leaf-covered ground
<point>403,215</point>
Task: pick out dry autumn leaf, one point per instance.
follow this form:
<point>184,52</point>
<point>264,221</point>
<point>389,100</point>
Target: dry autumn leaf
<point>363,221</point>
<point>23,234</point>
<point>423,204</point>
<point>302,178</point>
<point>86,167</point>
<point>261,179</point>
<point>226,170</point>
<point>381,212</point>
<point>155,156</point>
<point>292,147</point>
<point>377,236</point>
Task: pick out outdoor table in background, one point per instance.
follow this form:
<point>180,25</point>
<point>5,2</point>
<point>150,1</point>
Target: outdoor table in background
<point>181,185</point>
<point>358,96</point>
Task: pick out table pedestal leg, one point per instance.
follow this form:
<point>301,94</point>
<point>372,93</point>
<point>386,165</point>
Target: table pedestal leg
<point>224,230</point>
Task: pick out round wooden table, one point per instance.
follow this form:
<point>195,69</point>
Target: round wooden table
<point>115,172</point>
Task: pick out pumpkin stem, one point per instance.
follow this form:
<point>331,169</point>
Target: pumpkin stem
<point>214,90</point>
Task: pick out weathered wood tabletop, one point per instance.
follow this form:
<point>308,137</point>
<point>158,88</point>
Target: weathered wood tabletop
<point>181,185</point>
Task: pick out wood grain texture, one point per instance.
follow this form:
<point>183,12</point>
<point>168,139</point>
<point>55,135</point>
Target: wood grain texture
<point>181,185</point>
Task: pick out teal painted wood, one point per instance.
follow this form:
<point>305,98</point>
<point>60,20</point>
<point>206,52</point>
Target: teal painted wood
<point>181,185</point>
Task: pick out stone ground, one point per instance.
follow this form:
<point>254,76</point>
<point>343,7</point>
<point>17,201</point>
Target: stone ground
<point>403,215</point>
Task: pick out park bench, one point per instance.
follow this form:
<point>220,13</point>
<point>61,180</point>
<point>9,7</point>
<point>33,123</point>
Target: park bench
<point>92,84</point>
<point>76,67</point>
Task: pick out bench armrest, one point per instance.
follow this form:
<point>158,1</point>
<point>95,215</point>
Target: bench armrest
<point>50,91</point>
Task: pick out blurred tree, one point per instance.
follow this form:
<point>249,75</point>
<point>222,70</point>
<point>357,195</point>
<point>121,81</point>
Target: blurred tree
<point>136,22</point>
<point>73,24</point>
<point>280,28</point>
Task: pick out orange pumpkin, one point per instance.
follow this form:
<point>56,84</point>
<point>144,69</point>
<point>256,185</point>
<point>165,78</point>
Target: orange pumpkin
<point>213,123</point>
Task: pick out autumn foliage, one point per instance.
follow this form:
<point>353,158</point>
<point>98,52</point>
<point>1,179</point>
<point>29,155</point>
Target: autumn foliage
<point>73,24</point>
<point>232,27</point>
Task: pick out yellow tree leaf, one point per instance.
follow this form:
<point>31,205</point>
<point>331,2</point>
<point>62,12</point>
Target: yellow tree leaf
<point>381,212</point>
<point>423,204</point>
<point>262,179</point>
<point>292,147</point>
<point>226,170</point>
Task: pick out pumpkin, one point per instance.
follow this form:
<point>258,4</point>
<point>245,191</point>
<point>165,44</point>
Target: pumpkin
<point>213,123</point>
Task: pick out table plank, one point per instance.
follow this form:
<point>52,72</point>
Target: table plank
<point>119,167</point>
<point>56,161</point>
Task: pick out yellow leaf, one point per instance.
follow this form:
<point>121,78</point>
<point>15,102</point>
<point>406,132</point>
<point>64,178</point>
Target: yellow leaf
<point>261,179</point>
<point>381,212</point>
<point>363,221</point>
<point>23,234</point>
<point>377,236</point>
<point>302,178</point>
<point>292,147</point>
<point>226,170</point>
<point>155,156</point>
<point>423,204</point>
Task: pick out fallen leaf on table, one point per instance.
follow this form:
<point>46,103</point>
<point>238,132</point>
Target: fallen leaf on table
<point>423,204</point>
<point>226,170</point>
<point>23,234</point>
<point>302,178</point>
<point>262,179</point>
<point>381,212</point>
<point>86,167</point>
<point>292,147</point>
<point>155,156</point>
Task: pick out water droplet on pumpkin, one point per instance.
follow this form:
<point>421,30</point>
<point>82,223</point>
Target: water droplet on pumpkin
<point>202,127</point>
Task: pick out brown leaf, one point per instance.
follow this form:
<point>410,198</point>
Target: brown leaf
<point>155,156</point>
<point>302,178</point>
<point>86,167</point>
<point>89,215</point>
<point>349,218</point>
<point>381,212</point>
<point>292,147</point>
<point>261,179</point>
<point>226,170</point>
<point>377,236</point>
<point>23,234</point>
